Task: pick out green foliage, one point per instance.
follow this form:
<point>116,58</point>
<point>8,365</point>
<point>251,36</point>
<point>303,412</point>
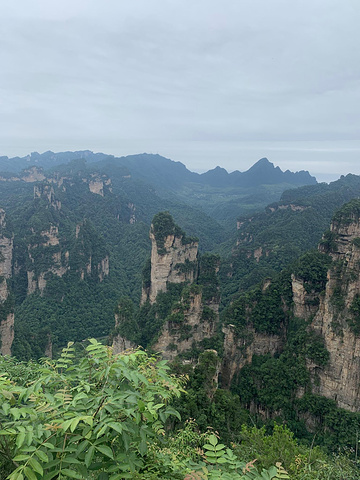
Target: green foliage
<point>94,418</point>
<point>335,427</point>
<point>312,269</point>
<point>354,321</point>
<point>163,225</point>
<point>271,383</point>
<point>356,242</point>
<point>300,461</point>
<point>104,418</point>
<point>222,463</point>
<point>328,241</point>
<point>286,230</point>
<point>146,274</point>
<point>208,268</point>
<point>261,308</point>
<point>337,299</point>
<point>126,323</point>
<point>186,267</point>
<point>347,213</point>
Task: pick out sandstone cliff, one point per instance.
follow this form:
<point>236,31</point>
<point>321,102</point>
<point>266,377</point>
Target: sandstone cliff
<point>240,349</point>
<point>7,318</point>
<point>337,318</point>
<point>188,325</point>
<point>173,259</point>
<point>184,316</point>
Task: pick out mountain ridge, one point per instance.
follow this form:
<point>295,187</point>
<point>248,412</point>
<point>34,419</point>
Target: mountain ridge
<point>139,164</point>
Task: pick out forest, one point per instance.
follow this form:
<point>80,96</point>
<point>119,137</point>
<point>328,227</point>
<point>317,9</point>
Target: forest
<point>238,389</point>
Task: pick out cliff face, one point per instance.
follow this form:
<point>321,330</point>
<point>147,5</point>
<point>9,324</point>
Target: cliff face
<point>48,248</point>
<point>187,312</point>
<point>337,318</point>
<point>239,350</point>
<point>6,257</point>
<point>120,343</point>
<point>172,262</point>
<point>193,324</point>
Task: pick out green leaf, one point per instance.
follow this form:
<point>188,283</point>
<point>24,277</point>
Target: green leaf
<point>211,454</point>
<point>209,447</point>
<point>116,426</point>
<point>74,423</point>
<point>142,447</point>
<point>71,473</point>
<point>82,447</point>
<point>105,451</point>
<point>15,412</point>
<point>29,448</point>
<point>20,439</point>
<point>65,425</point>
<point>48,445</point>
<point>16,476</point>
<point>42,455</point>
<point>20,458</point>
<point>213,440</point>
<point>70,460</point>
<point>36,465</point>
<point>89,455</point>
<point>51,475</point>
<point>29,438</point>
<point>53,463</point>
<point>221,460</point>
<point>172,411</point>
<point>88,419</point>
<point>30,475</point>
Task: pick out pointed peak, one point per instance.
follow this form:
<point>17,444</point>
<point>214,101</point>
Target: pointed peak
<point>263,162</point>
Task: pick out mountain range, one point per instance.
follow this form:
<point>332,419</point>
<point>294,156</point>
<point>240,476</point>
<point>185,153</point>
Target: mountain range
<point>139,250</point>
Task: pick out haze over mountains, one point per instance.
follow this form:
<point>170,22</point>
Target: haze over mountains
<point>162,171</point>
<point>221,195</point>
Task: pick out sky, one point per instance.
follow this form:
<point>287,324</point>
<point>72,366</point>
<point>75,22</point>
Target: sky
<point>202,82</point>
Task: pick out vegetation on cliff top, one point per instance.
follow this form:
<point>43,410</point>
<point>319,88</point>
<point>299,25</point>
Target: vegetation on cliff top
<point>162,226</point>
<point>348,213</point>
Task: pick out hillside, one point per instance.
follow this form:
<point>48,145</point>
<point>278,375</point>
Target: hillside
<point>78,241</point>
<point>220,194</point>
<point>88,249</point>
<point>270,240</point>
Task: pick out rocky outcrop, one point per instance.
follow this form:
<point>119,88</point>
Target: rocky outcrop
<point>58,264</point>
<point>97,183</point>
<point>336,319</point>
<point>46,192</point>
<point>103,268</point>
<point>120,344</point>
<point>184,328</point>
<point>6,254</point>
<point>132,210</point>
<point>291,206</point>
<point>6,259</point>
<point>30,175</point>
<point>176,262</point>
<point>33,174</point>
<point>305,304</point>
<point>7,334</point>
<point>239,350</point>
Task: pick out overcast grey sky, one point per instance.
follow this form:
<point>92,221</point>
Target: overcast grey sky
<point>203,82</point>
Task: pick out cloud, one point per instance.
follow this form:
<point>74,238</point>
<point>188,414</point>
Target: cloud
<point>181,77</point>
